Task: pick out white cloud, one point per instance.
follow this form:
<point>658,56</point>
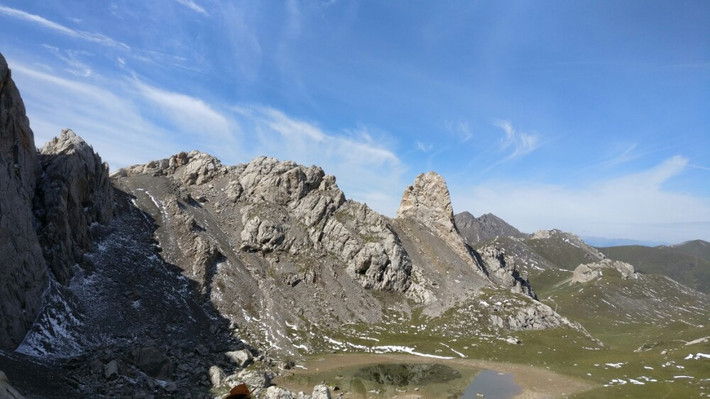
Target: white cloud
<point>634,206</point>
<point>193,6</point>
<point>45,23</point>
<point>106,118</point>
<point>189,114</point>
<point>520,143</point>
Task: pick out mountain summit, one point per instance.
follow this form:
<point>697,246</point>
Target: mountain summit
<point>477,230</point>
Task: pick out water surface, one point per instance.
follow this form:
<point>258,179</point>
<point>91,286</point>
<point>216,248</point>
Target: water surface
<point>492,384</point>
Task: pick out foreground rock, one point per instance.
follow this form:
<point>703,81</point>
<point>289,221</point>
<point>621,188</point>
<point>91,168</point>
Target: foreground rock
<point>22,266</point>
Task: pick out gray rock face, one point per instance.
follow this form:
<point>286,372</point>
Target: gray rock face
<point>589,271</point>
<point>428,201</point>
<point>359,237</point>
<point>534,316</point>
<point>21,263</point>
<point>74,192</point>
<point>501,269</point>
<point>483,228</point>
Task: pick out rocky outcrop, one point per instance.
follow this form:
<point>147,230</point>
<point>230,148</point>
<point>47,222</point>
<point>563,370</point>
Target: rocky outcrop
<point>589,271</point>
<point>534,316</point>
<point>476,230</point>
<point>193,168</point>
<point>370,248</point>
<point>22,266</point>
<point>361,238</point>
<point>74,192</point>
<point>428,202</point>
<point>501,269</point>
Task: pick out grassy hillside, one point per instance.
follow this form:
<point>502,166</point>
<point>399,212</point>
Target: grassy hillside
<point>688,263</point>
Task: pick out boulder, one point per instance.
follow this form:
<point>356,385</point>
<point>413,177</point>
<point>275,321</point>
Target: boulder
<point>111,370</point>
<point>241,358</point>
<point>275,392</point>
<point>253,379</point>
<point>153,362</point>
<point>216,375</point>
<point>321,392</point>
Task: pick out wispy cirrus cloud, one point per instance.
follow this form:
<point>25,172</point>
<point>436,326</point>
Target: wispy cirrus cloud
<point>367,170</point>
<point>519,143</point>
<point>189,113</point>
<point>59,28</point>
<point>193,6</point>
<point>72,59</point>
<point>460,129</point>
<point>424,147</point>
<point>626,154</point>
<point>104,115</point>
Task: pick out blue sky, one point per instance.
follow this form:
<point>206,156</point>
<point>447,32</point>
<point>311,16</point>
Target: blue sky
<point>588,116</point>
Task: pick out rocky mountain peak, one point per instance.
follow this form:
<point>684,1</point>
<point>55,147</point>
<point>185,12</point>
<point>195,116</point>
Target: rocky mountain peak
<point>67,143</point>
<point>476,230</point>
<point>281,182</point>
<point>193,168</point>
<point>428,201</point>
<point>73,193</point>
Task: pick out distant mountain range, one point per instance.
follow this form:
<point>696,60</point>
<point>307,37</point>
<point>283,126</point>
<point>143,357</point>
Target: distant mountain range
<point>616,242</point>
<point>687,263</point>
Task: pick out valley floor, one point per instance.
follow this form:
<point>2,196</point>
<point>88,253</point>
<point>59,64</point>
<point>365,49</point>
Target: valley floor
<point>338,370</point>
